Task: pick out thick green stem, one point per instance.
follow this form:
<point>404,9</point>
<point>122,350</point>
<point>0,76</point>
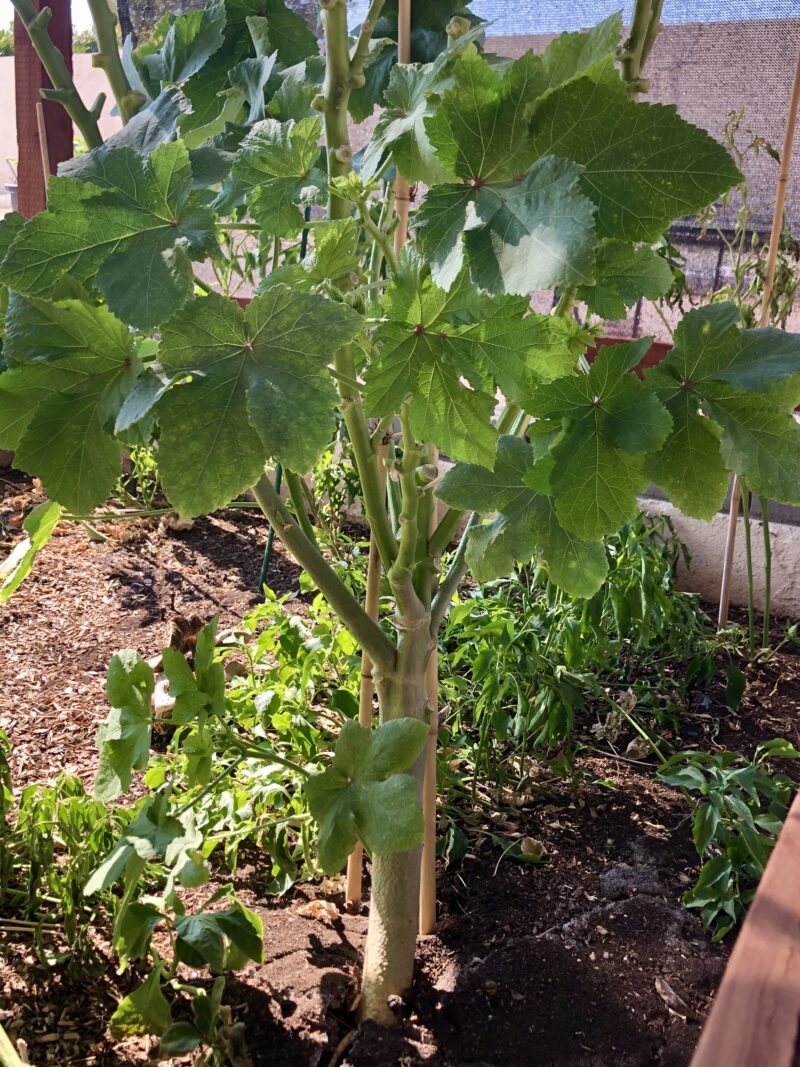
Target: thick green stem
<point>566,301</point>
<point>361,626</point>
<point>451,580</point>
<point>401,575</point>
<point>294,483</point>
<point>767,570</point>
<point>394,902</point>
<point>64,91</point>
<point>335,97</point>
<point>644,29</point>
<point>107,59</point>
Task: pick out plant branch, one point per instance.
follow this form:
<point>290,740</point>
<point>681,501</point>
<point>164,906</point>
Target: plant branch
<point>401,575</point>
<point>445,531</point>
<point>107,59</point>
<point>294,483</point>
<point>644,28</point>
<point>63,91</point>
<point>369,635</point>
<point>452,579</point>
<point>380,238</point>
<point>361,50</point>
<point>333,103</point>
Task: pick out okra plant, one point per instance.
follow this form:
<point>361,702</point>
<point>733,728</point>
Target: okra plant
<point>236,161</point>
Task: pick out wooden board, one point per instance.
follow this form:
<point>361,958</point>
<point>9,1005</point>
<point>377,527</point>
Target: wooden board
<point>755,1016</point>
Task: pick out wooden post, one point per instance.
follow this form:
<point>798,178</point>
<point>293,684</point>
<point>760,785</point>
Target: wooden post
<point>772,260</point>
<point>29,78</point>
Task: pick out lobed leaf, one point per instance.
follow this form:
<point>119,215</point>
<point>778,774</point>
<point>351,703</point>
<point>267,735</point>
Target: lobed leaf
<point>256,386</point>
<point>526,523</point>
<point>364,796</point>
<point>128,226</point>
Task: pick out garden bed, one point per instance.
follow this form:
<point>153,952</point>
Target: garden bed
<point>586,960</point>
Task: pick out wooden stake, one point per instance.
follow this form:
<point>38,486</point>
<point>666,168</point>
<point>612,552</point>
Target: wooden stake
<point>401,190</point>
<point>43,149</point>
<point>355,861</point>
<point>772,261</point>
<point>427,884</point>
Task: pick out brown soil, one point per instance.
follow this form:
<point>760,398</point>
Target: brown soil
<point>585,960</point>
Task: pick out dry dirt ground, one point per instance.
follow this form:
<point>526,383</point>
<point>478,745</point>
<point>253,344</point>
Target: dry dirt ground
<point>562,963</point>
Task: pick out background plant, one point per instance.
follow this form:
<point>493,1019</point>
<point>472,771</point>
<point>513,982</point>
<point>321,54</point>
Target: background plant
<point>738,815</point>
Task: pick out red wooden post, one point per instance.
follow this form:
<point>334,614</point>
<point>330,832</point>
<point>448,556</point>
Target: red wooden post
<point>29,77</point>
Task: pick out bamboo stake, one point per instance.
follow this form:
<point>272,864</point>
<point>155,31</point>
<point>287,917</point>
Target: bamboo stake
<point>401,190</point>
<point>355,860</point>
<point>772,261</point>
<point>43,147</point>
<point>427,884</point>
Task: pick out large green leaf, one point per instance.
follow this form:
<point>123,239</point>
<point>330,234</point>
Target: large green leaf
<point>251,77</point>
<point>124,736</point>
<point>411,97</point>
<point>610,423</point>
<point>643,165</point>
<point>70,366</point>
<point>152,126</point>
<point>363,796</point>
<point>525,524</point>
<point>429,346</point>
<point>192,38</point>
<point>127,227</point>
<point>10,225</point>
<point>257,387</point>
<point>275,169</point>
<point>532,233</point>
<point>288,31</point>
<point>569,55</point>
<point>401,128</point>
<point>624,274</point>
<point>521,224</point>
<point>731,393</point>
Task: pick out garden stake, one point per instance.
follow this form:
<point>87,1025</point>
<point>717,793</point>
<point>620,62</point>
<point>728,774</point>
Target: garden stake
<point>767,568</point>
<point>366,693</point>
<point>772,260</point>
<point>43,149</point>
<point>401,188</point>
